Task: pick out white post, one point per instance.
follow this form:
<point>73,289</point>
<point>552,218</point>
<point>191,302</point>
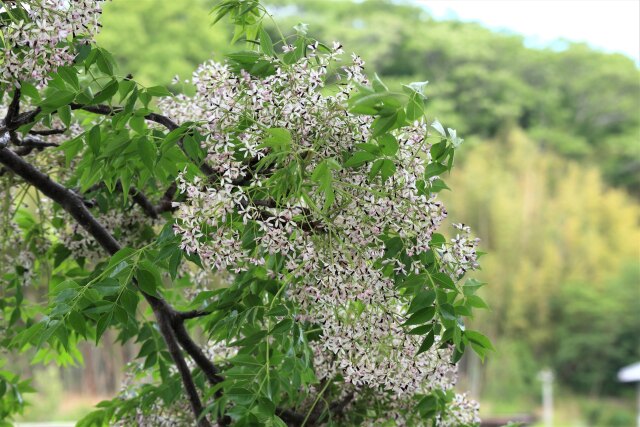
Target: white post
<point>546,377</point>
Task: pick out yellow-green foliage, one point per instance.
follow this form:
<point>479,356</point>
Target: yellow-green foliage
<point>545,222</point>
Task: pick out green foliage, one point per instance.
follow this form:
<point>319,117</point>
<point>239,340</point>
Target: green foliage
<point>12,394</point>
<point>155,42</point>
<point>597,332</point>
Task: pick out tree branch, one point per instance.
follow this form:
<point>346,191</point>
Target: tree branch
<point>71,202</point>
<point>164,324</point>
<point>47,132</point>
<point>30,143</point>
<point>14,107</point>
<point>143,202</point>
<point>192,314</point>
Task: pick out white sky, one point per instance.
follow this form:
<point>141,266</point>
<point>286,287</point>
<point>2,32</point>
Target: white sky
<point>609,25</point>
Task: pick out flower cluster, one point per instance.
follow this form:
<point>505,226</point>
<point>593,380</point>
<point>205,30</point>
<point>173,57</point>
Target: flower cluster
<point>461,255</point>
<point>335,260</point>
<point>460,412</point>
<point>38,38</point>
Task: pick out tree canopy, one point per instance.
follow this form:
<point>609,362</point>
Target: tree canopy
<point>271,238</point>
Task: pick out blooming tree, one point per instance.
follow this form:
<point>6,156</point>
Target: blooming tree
<point>283,210</point>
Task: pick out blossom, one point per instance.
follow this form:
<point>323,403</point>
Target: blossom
<point>40,41</point>
<point>335,261</point>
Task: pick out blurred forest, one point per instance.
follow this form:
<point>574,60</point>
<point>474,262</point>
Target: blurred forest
<point>549,177</point>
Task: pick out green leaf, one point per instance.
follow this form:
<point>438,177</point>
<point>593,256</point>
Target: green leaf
<point>447,311</point>
<point>375,169</point>
<point>103,323</point>
<point>415,107</point>
<point>124,255</point>
<point>70,76</point>
<point>30,90</point>
<point>388,144</point>
<point>479,339</point>
<point>438,185</point>
<point>421,316</point>
<point>438,150</point>
<point>443,280</point>
<point>421,330</point>
<point>77,322</point>
<point>71,148</point>
<point>471,286</point>
<point>282,327</point>
<point>125,87</point>
<point>434,169</point>
<point>148,279</point>
<point>240,395</point>
<point>393,247</point>
<point>138,124</point>
<point>192,148</point>
<point>64,113</point>
<point>147,348</point>
<point>105,61</point>
<point>377,84</point>
<point>107,93</point>
<point>158,91</point>
<point>428,406</point>
<point>359,158</point>
<point>415,88</point>
<point>384,124</point>
<point>278,139</point>
<point>265,43</point>
<point>278,310</point>
<point>147,152</point>
<point>427,343</point>
<point>107,287</point>
<point>476,301</point>
<point>387,169</point>
<point>423,299</point>
<point>94,139</point>
<point>413,282</point>
<point>57,100</point>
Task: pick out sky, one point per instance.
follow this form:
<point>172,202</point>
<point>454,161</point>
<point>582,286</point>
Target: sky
<point>608,25</point>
